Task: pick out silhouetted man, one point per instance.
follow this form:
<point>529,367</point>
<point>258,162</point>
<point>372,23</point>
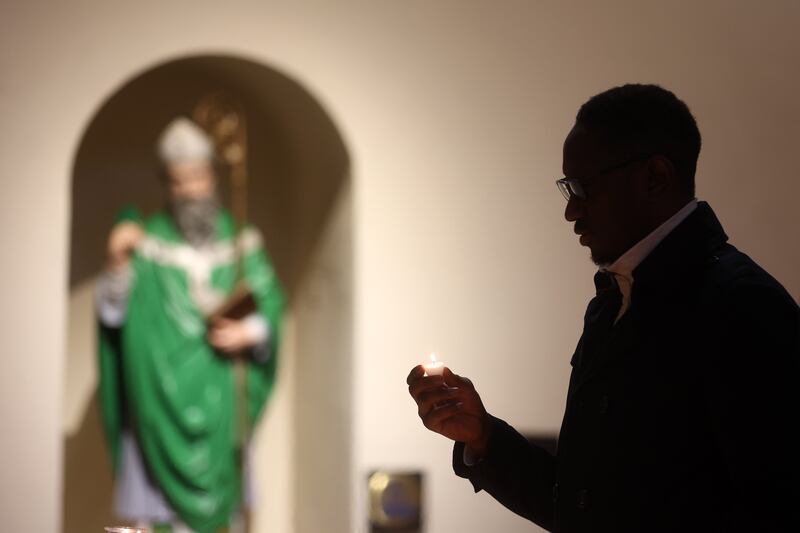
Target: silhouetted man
<point>682,405</point>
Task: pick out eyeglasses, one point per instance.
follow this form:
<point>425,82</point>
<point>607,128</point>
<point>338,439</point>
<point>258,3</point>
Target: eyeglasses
<point>570,187</point>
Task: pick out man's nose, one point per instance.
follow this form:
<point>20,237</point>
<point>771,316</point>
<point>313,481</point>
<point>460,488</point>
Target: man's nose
<point>574,209</point>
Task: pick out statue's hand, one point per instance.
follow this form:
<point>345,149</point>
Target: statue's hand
<point>230,337</point>
<point>124,238</point>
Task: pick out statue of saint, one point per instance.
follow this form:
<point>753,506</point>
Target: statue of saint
<point>182,375</point>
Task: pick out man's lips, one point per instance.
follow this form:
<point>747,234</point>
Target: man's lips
<point>584,235</point>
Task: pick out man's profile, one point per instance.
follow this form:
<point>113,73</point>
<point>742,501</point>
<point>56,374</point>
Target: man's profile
<point>682,402</point>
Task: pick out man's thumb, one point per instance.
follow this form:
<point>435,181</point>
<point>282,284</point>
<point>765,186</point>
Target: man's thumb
<point>450,379</point>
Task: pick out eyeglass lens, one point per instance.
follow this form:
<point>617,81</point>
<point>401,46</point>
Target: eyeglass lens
<point>571,188</point>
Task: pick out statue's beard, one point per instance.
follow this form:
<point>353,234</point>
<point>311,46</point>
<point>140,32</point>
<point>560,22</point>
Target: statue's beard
<point>196,219</point>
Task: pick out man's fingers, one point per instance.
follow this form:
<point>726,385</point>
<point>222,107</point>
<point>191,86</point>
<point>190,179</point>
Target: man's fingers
<point>416,373</point>
<point>454,380</point>
<point>423,384</point>
<point>437,417</point>
<point>450,378</point>
<point>427,401</point>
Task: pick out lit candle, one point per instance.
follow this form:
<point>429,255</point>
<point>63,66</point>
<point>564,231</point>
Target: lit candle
<point>434,368</point>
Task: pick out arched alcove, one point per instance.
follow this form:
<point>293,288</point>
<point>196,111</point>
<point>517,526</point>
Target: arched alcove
<point>299,196</point>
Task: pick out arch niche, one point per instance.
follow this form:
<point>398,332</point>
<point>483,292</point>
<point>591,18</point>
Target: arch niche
<point>299,196</point>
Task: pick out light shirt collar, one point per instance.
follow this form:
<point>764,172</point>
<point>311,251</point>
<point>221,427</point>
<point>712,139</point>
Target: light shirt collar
<point>627,262</point>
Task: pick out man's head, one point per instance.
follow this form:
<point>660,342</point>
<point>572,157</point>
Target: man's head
<point>187,155</point>
<point>632,153</point>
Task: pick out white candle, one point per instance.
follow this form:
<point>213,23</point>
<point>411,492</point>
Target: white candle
<point>434,368</point>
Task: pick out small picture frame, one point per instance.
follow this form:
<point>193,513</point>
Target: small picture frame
<point>395,502</point>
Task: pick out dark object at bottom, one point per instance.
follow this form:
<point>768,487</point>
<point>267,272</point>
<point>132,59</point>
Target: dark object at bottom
<point>395,502</point>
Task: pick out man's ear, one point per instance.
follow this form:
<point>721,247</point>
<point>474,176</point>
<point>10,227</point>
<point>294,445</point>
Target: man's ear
<point>661,176</point>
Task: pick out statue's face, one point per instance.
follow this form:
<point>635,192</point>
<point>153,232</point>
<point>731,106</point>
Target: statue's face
<point>190,180</point>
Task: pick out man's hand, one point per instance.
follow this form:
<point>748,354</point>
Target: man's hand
<point>230,337</point>
<point>124,237</point>
<point>450,405</point>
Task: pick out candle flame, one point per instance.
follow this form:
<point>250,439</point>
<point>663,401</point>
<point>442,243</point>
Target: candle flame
<point>433,357</point>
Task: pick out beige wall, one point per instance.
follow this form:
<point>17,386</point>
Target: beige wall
<point>454,113</point>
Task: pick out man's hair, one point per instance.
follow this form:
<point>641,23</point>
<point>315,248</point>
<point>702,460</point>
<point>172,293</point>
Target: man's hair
<point>651,120</point>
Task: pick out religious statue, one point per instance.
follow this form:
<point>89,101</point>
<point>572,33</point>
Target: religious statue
<point>190,318</point>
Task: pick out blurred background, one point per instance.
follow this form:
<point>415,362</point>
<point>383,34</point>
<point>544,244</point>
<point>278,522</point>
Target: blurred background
<point>402,162</point>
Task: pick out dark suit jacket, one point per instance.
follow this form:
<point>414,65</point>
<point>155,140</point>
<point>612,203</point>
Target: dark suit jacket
<point>686,420</point>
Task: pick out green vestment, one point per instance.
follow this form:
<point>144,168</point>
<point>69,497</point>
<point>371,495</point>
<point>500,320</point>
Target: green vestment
<point>160,376</point>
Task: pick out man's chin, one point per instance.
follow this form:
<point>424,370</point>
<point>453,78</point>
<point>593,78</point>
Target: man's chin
<point>601,258</point>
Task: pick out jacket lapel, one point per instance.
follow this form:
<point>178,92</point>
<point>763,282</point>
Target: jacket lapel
<point>661,276</point>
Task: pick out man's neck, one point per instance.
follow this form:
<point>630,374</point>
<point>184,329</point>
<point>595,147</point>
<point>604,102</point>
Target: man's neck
<point>627,262</point>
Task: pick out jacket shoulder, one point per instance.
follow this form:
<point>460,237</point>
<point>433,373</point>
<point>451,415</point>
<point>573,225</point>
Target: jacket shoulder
<point>749,307</point>
<point>732,274</point>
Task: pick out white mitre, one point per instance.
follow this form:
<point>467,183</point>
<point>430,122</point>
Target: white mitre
<point>183,140</point>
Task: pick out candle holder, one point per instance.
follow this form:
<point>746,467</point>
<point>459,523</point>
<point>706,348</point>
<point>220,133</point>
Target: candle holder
<point>434,368</point>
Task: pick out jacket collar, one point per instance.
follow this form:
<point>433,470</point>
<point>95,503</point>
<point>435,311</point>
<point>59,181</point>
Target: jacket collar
<point>690,244</point>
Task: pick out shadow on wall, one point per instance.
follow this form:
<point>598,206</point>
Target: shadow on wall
<point>299,175</point>
<point>88,485</point>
